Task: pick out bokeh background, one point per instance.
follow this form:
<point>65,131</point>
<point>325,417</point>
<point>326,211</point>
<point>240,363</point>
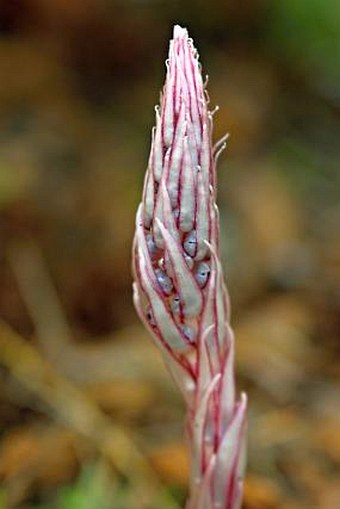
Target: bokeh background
<point>86,405</point>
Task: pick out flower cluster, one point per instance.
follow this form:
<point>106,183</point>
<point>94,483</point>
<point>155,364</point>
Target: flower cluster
<point>179,291</point>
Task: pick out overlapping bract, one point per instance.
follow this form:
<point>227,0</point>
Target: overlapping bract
<point>179,291</point>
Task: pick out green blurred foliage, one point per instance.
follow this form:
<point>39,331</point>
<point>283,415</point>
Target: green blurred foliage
<point>3,499</point>
<point>308,31</point>
<point>90,491</point>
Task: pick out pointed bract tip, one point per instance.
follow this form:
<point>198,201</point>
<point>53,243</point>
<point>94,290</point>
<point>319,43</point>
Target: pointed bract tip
<point>180,32</point>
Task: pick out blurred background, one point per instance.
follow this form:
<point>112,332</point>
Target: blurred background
<point>86,405</point>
